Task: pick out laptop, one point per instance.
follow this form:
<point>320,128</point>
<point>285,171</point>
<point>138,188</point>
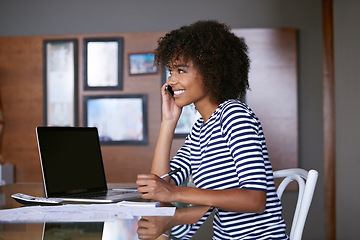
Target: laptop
<point>111,230</point>
<point>73,230</point>
<point>72,166</point>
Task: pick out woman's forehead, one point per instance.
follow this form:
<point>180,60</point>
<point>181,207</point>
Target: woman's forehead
<point>180,61</point>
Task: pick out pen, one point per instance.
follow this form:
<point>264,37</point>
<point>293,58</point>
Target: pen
<point>171,173</point>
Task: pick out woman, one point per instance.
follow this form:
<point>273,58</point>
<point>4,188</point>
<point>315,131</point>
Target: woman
<point>225,151</point>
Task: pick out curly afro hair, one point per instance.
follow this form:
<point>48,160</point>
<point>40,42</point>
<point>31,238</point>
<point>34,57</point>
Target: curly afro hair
<point>219,55</point>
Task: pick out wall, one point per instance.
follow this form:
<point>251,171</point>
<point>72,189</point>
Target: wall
<point>22,18</point>
<point>347,82</point>
<point>21,73</point>
<point>273,68</point>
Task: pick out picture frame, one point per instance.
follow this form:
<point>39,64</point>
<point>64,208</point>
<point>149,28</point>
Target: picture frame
<point>120,119</point>
<point>188,117</point>
<point>60,66</point>
<point>103,61</point>
<point>142,63</point>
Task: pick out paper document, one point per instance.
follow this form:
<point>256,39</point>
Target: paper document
<point>81,213</point>
<point>157,211</point>
<point>138,204</point>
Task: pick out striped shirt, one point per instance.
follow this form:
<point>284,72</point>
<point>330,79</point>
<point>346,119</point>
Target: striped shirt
<point>227,152</point>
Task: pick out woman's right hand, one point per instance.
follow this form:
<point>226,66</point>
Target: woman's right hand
<point>170,111</point>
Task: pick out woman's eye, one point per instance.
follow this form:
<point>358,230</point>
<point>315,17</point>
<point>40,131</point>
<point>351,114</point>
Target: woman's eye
<point>181,71</point>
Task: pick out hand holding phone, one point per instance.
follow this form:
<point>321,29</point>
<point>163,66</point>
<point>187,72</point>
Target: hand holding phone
<point>169,89</point>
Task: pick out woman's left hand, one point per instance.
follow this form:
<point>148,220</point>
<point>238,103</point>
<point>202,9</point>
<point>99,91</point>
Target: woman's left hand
<point>153,227</point>
<point>153,187</point>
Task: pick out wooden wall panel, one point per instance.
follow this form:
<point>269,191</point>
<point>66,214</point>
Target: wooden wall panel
<point>329,117</point>
<point>21,92</point>
<point>273,98</point>
<point>274,94</point>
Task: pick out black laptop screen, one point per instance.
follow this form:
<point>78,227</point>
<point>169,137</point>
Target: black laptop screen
<point>71,160</point>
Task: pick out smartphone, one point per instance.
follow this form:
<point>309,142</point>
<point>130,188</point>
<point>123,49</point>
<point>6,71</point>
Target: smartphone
<point>169,88</point>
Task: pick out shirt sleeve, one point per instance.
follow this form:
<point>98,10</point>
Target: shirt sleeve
<point>245,139</point>
<point>189,230</point>
<point>182,160</point>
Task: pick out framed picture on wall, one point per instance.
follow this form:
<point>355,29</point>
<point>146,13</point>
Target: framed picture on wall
<point>120,119</point>
<point>141,63</point>
<point>60,82</point>
<point>103,63</point>
<point>188,116</point>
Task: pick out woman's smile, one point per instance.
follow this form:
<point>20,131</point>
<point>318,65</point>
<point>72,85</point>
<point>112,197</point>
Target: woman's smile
<point>178,93</point>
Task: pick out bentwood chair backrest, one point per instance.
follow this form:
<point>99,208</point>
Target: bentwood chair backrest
<point>306,181</point>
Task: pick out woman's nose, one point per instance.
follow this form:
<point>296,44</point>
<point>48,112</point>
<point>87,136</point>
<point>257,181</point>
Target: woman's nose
<point>171,80</point>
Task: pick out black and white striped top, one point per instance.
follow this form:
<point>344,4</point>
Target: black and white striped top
<point>229,151</point>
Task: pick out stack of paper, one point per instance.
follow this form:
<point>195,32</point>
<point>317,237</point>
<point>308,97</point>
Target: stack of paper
<point>85,213</point>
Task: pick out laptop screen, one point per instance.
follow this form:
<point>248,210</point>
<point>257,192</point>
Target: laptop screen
<point>71,160</point>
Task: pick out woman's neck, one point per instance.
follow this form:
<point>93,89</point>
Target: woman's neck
<point>206,109</point>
